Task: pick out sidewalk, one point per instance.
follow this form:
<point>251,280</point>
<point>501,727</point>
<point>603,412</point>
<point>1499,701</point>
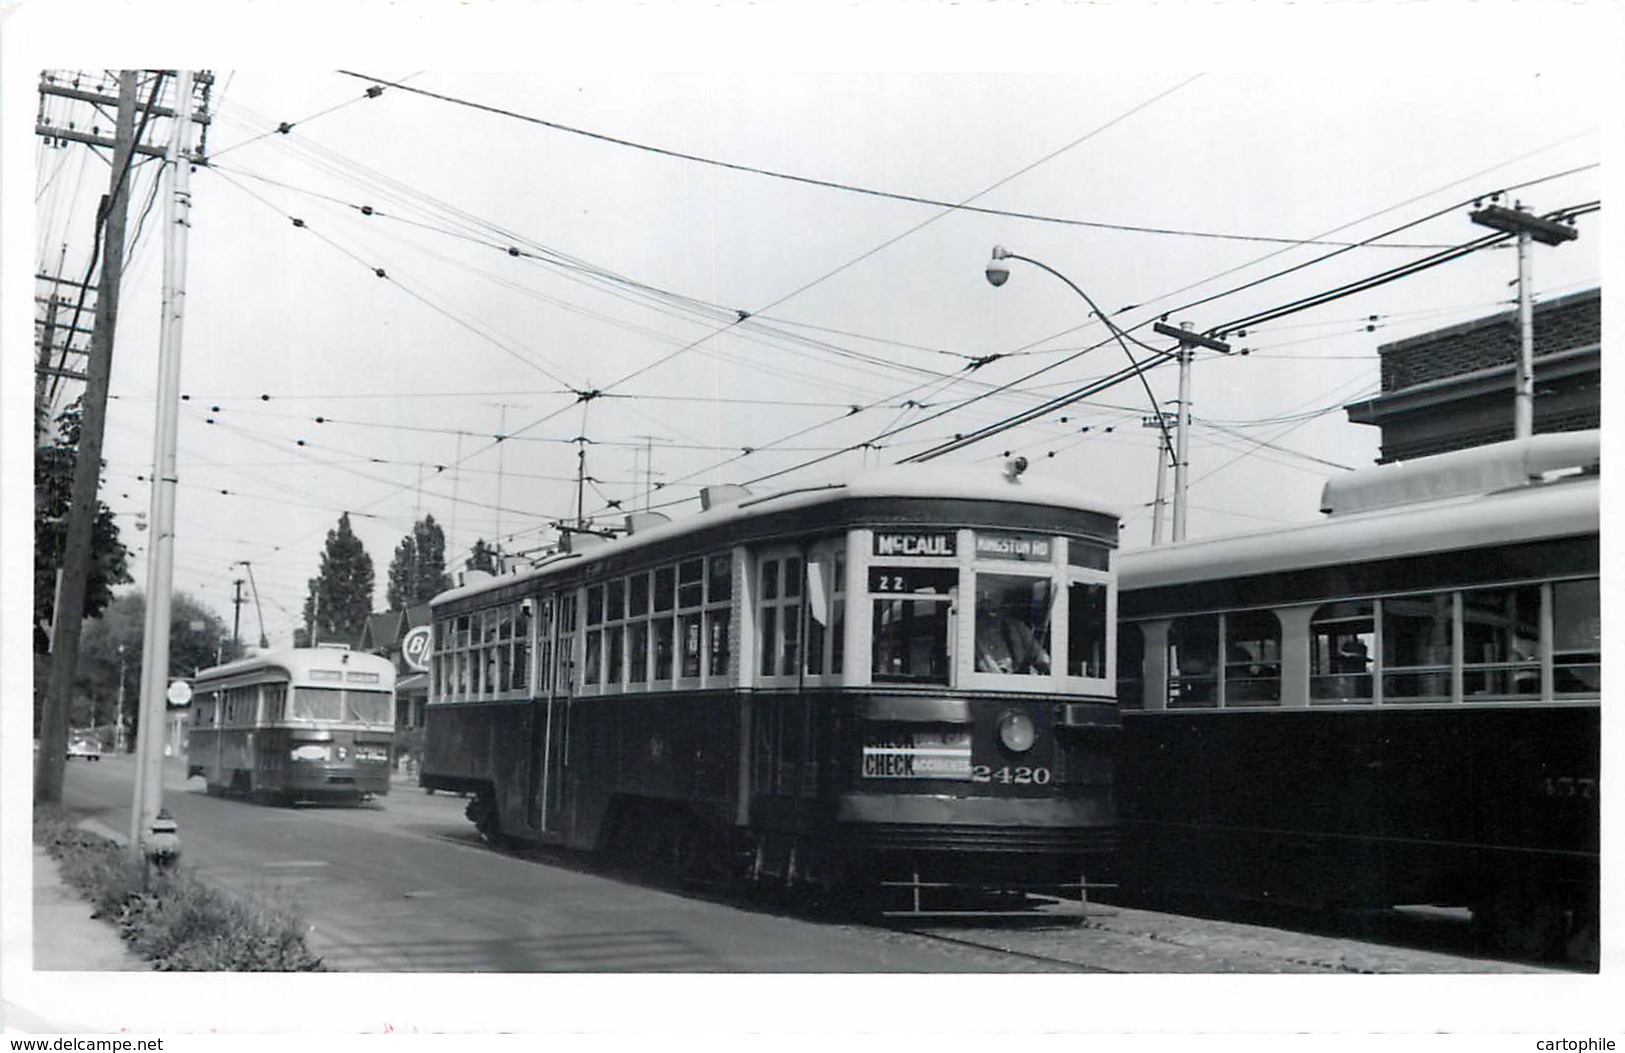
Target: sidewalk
<point>66,937</point>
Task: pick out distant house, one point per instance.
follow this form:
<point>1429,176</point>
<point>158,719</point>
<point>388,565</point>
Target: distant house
<point>382,635</point>
<point>1452,388</point>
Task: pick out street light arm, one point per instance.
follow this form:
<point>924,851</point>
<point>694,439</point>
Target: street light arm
<point>1000,253</point>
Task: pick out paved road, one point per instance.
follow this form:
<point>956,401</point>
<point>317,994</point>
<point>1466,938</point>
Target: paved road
<point>403,885</point>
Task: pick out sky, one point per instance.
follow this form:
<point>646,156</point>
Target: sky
<point>691,231</point>
<point>723,259</point>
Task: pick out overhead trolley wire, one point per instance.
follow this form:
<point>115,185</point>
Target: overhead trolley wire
<point>833,184</point>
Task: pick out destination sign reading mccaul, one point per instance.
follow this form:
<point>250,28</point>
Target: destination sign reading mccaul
<point>913,543</point>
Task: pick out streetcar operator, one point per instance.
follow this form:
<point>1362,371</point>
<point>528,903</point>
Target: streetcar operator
<point>1005,643</point>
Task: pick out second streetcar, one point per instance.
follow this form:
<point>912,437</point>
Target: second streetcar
<point>294,724</point>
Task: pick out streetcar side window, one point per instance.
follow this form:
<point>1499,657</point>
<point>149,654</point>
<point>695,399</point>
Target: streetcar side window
<point>544,644</point>
<point>1418,635</point>
<point>717,645</point>
<point>564,660</point>
<point>637,651</point>
<point>276,703</point>
<point>1342,637</point>
<point>690,637</point>
<point>779,615</point>
<point>1193,662</point>
<point>1576,637</point>
<point>660,626</point>
<point>1252,659</point>
<point>1501,642</point>
<point>593,669</point>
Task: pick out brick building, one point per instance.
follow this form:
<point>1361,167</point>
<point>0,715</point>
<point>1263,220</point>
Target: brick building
<point>1452,388</point>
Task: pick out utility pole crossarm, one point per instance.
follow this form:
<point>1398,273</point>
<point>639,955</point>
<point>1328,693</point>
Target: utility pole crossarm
<point>1517,221</point>
<point>1192,338</point>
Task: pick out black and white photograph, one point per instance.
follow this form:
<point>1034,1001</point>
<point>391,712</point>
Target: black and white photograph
<point>909,520</point>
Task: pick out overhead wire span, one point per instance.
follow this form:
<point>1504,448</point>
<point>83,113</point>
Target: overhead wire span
<point>830,184</point>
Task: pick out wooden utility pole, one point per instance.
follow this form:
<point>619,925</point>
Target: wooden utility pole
<point>1189,340</point>
<point>68,617</point>
<point>1547,231</point>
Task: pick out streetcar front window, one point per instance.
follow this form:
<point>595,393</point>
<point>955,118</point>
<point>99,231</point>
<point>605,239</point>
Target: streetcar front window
<point>911,641</point>
<point>339,704</point>
<point>1013,615</point>
<point>911,615</point>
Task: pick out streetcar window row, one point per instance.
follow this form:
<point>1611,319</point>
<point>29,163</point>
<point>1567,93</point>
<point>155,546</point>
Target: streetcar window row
<point>1530,641</point>
<point>957,608</point>
<point>486,653</point>
<point>652,627</point>
<point>254,705</point>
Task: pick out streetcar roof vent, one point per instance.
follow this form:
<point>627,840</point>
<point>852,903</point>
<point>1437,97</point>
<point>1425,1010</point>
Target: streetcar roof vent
<point>637,522</point>
<point>579,540</point>
<point>721,494</point>
<point>472,577</point>
<point>1476,470</point>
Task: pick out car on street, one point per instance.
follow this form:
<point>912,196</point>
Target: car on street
<point>87,749</point>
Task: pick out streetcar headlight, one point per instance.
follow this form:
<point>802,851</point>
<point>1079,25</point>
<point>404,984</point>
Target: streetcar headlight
<point>1016,732</point>
<point>312,753</point>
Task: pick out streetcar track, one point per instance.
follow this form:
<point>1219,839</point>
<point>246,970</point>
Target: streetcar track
<point>1070,965</point>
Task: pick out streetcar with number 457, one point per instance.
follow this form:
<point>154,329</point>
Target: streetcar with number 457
<point>1399,704</point>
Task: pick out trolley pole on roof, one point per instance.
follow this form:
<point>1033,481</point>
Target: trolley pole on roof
<point>161,566</point>
<point>1547,231</point>
<point>1188,339</point>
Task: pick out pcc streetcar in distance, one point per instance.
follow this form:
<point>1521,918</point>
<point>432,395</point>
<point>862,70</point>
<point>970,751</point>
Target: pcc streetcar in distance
<point>1398,704</point>
<point>294,724</point>
<point>898,683</point>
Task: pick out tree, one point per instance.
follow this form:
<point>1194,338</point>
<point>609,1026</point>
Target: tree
<point>483,557</point>
<point>418,570</point>
<point>53,490</point>
<point>340,598</point>
<point>198,638</point>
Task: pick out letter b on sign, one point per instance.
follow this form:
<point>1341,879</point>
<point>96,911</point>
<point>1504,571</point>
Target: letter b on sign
<point>415,648</point>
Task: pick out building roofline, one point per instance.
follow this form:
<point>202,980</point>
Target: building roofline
<point>1489,321</point>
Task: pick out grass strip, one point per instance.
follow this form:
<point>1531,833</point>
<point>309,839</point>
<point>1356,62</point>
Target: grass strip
<point>173,918</point>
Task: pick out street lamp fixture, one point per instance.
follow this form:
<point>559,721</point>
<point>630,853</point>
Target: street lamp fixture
<point>998,272</point>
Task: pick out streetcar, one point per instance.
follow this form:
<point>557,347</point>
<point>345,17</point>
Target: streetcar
<point>1398,704</point>
<point>897,687</point>
<point>294,724</point>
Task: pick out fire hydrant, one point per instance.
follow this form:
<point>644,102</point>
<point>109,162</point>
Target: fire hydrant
<point>163,843</point>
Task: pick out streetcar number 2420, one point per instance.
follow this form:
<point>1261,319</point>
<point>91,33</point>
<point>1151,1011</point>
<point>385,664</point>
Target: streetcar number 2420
<point>1010,774</point>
